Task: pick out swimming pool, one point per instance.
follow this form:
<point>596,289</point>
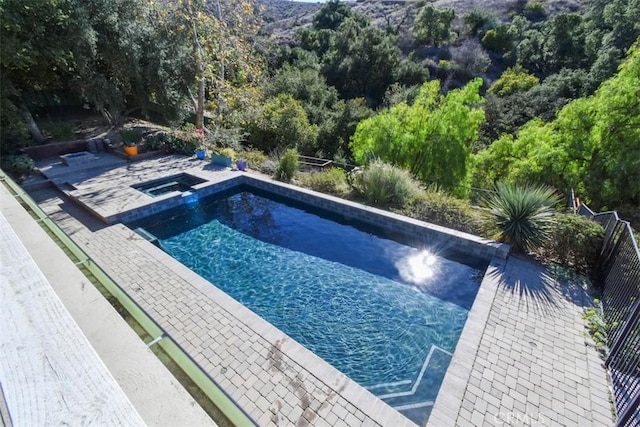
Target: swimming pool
<point>385,314</point>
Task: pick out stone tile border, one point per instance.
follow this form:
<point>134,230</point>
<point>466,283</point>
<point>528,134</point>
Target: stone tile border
<point>451,395</point>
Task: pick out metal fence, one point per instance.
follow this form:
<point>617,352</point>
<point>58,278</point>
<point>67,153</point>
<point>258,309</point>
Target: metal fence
<point>319,164</point>
<point>618,274</point>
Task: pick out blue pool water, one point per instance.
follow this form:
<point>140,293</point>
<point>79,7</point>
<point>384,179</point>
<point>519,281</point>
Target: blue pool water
<point>385,314</point>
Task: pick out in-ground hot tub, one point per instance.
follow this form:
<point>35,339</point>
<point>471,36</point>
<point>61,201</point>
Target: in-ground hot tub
<point>73,159</point>
<point>181,182</point>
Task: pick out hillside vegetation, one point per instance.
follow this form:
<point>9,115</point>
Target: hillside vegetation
<point>461,94</point>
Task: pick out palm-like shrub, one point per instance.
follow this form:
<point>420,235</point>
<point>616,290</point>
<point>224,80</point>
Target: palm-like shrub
<point>522,215</point>
<point>385,185</point>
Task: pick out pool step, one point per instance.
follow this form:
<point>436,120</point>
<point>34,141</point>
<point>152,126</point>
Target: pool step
<point>147,236</point>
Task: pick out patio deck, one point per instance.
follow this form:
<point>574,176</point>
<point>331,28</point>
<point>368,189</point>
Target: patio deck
<point>522,359</point>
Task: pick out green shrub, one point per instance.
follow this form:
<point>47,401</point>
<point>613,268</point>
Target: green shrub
<point>288,165</point>
<point>440,208</point>
<point>498,39</point>
<point>183,142</point>
<point>575,242</point>
<point>332,181</point>
<point>535,10</point>
<point>254,158</point>
<point>130,136</point>
<point>226,152</point>
<point>598,328</point>
<point>59,131</point>
<point>18,166</point>
<point>384,185</point>
<point>155,142</point>
<point>522,215</point>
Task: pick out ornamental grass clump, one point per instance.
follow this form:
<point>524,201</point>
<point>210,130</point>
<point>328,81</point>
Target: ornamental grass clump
<point>385,185</point>
<point>523,216</point>
<point>287,165</point>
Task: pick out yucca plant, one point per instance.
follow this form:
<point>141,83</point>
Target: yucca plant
<point>522,215</point>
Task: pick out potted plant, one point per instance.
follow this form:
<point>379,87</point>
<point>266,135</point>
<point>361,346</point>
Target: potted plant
<point>201,152</point>
<point>130,139</point>
<point>223,156</point>
<point>241,164</point>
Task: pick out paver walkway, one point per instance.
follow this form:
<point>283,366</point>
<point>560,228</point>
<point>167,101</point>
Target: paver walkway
<point>43,377</point>
<point>535,365</point>
<point>532,364</point>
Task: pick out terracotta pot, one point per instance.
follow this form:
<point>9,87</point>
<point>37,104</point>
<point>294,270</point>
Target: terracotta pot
<point>131,150</point>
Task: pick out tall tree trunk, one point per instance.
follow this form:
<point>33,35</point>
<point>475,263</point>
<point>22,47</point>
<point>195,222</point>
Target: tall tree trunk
<point>34,130</point>
<point>200,109</point>
<point>199,76</point>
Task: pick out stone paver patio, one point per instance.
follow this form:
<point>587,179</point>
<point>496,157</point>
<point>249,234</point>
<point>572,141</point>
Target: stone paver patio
<point>534,364</point>
<point>523,359</point>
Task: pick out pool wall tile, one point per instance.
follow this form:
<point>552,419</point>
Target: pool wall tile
<point>414,231</point>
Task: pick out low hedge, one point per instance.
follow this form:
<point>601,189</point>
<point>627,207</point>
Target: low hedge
<point>440,208</point>
<point>575,241</point>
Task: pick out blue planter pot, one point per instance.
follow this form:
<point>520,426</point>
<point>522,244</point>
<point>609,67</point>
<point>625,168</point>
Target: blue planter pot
<point>201,154</point>
<point>242,165</point>
<point>221,160</point>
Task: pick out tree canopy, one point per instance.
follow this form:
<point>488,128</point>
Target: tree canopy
<point>592,146</point>
<point>431,138</point>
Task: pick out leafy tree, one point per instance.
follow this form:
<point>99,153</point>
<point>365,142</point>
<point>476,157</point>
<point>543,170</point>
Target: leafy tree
<point>478,20</point>
<point>617,132</point>
<point>509,112</point>
<point>336,119</point>
<point>335,134</point>
<point>514,79</point>
<point>530,52</point>
<point>430,138</point>
<point>362,62</point>
<point>499,39</point>
<point>282,122</point>
<point>433,25</point>
<point>331,15</point>
<point>592,146</point>
<point>307,86</point>
<point>108,58</point>
<point>220,36</point>
<point>316,41</point>
<point>564,43</point>
<point>36,55</point>
<point>470,58</point>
